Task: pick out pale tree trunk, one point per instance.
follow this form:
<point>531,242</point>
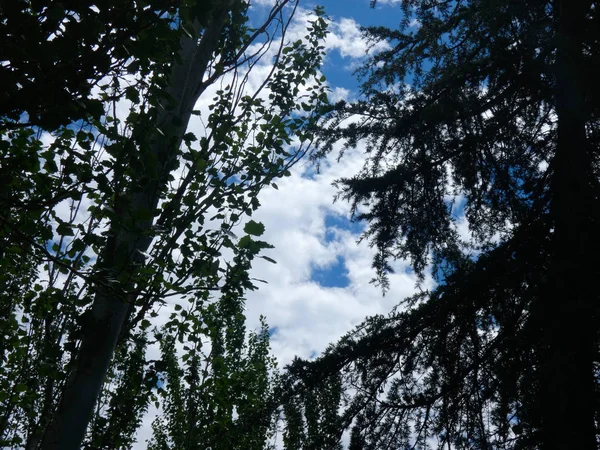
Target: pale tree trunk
<point>124,247</point>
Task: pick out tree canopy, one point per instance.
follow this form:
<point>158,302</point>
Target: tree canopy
<point>134,146</point>
<point>489,109</point>
<point>120,270</point>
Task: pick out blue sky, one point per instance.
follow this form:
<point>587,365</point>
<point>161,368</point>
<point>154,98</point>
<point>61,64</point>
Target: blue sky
<point>321,287</point>
<point>384,14</point>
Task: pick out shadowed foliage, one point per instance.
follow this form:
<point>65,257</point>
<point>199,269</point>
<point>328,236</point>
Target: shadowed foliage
<point>493,105</point>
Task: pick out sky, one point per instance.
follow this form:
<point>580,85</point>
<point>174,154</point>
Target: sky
<point>320,287</point>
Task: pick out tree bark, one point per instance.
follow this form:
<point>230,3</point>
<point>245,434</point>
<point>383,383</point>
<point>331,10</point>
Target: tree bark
<point>569,312</point>
<point>124,247</point>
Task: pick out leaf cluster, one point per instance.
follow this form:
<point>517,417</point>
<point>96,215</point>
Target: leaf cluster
<point>84,184</point>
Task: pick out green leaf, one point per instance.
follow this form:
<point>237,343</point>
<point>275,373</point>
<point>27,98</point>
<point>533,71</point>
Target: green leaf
<point>245,242</point>
<point>271,260</point>
<point>189,137</point>
<point>131,94</point>
<point>254,228</point>
<point>65,229</point>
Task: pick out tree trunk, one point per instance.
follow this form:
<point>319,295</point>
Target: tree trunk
<point>123,249</point>
<point>569,317</point>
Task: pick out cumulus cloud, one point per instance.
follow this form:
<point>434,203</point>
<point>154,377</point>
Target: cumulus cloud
<point>307,315</point>
<point>339,93</point>
<point>312,234</point>
<point>346,38</point>
<point>415,23</point>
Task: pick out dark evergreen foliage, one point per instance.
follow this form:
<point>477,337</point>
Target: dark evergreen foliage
<point>496,102</point>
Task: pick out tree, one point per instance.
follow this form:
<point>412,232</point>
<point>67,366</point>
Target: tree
<point>55,53</point>
<point>220,394</point>
<point>493,103</point>
<point>109,214</point>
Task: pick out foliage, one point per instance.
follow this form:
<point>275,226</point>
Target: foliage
<point>56,53</point>
<point>219,395</point>
<point>314,422</point>
<point>112,215</point>
<point>492,104</point>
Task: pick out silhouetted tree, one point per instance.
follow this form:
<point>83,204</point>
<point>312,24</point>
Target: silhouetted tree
<point>497,104</point>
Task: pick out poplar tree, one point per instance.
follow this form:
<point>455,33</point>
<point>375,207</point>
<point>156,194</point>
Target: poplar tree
<point>114,215</point>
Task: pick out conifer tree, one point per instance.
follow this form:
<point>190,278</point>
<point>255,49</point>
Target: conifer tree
<point>495,104</point>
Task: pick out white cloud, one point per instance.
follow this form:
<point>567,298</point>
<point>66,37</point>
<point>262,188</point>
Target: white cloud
<point>415,23</point>
<point>309,316</point>
<point>339,93</point>
<point>269,3</point>
<point>345,37</point>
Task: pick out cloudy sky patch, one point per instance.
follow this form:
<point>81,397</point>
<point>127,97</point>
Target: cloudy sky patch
<point>320,288</point>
